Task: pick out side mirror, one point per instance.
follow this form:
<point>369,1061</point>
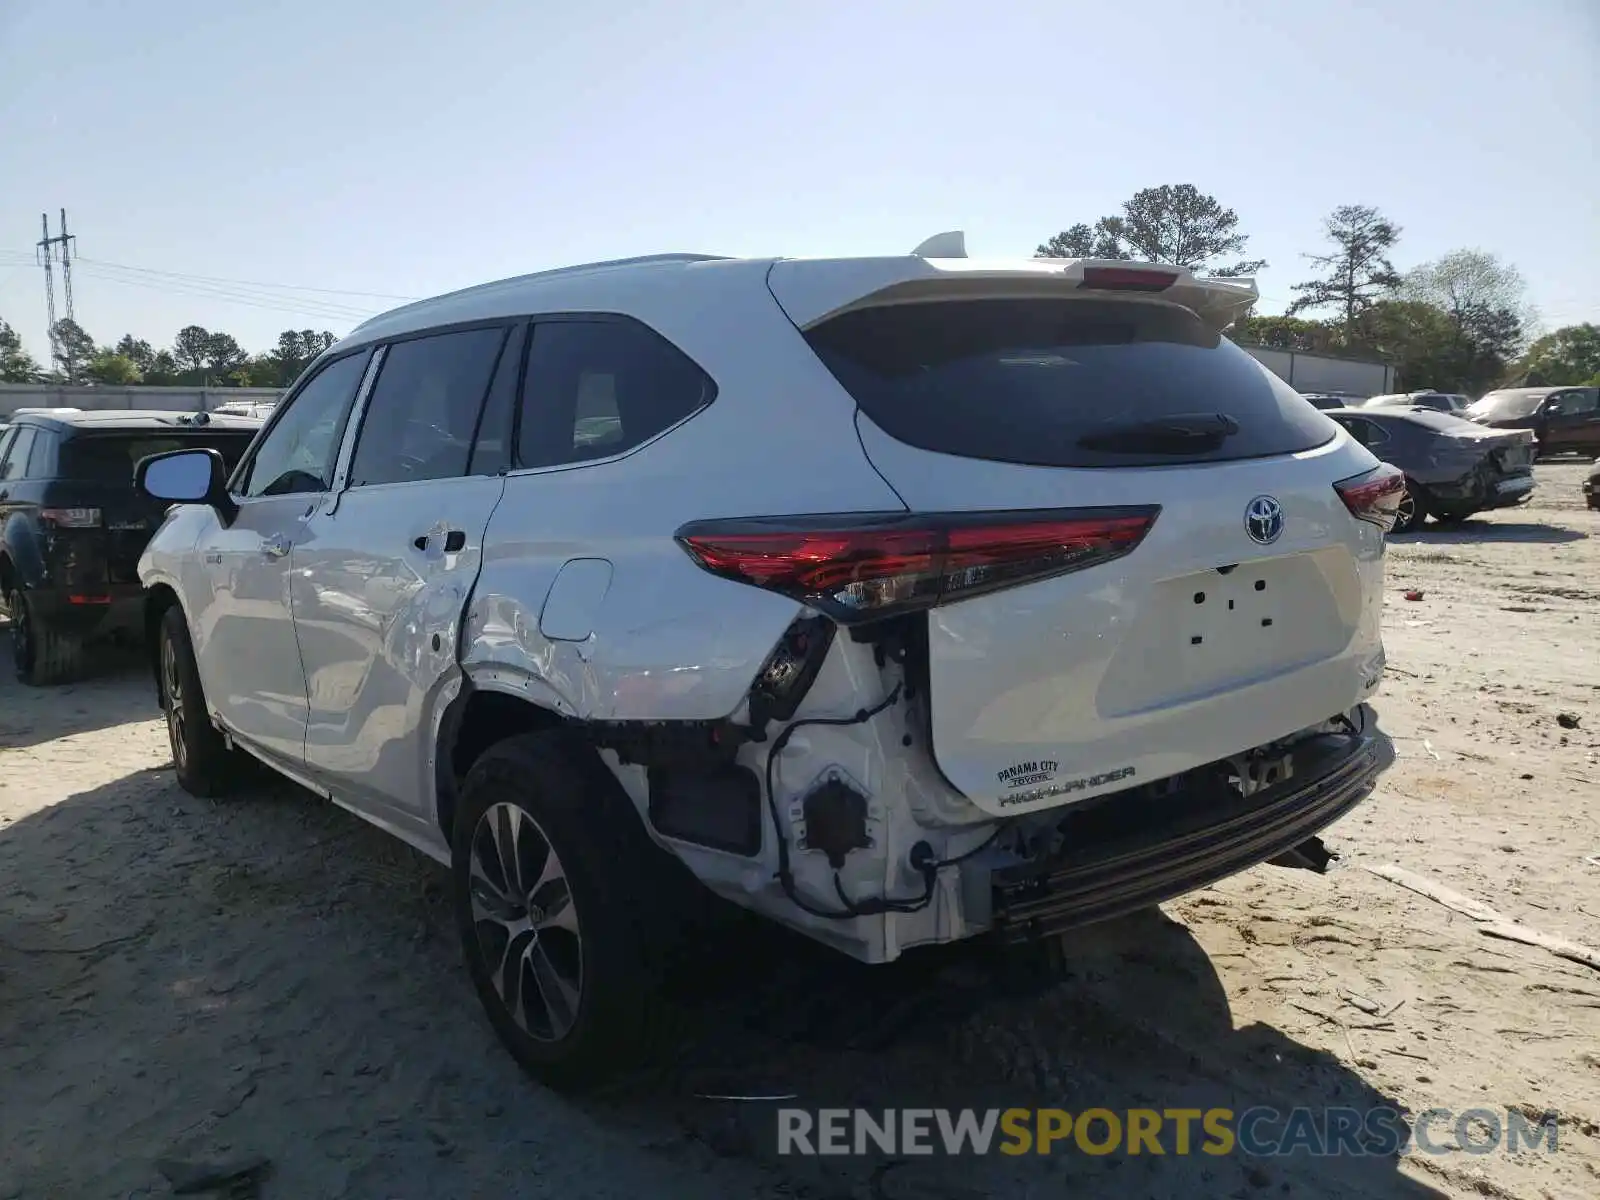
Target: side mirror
<point>187,477</point>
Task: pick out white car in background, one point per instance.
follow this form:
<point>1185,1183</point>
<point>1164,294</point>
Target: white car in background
<point>902,600</point>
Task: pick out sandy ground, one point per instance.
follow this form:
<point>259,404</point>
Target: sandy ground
<point>269,977</point>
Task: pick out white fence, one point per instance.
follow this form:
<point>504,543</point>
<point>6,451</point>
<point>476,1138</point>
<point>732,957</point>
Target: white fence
<point>1306,372</point>
<point>168,399</point>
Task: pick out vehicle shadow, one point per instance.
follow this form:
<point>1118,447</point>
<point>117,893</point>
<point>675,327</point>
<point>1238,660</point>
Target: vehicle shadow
<point>1475,530</point>
<point>269,976</point>
<point>116,691</point>
<point>1126,1015</point>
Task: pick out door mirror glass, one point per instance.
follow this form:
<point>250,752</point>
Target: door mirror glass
<point>183,477</point>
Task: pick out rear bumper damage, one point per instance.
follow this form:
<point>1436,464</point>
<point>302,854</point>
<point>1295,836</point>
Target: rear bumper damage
<point>1196,836</point>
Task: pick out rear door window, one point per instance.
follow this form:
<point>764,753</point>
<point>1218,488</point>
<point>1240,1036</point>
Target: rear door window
<point>420,421</point>
<point>596,388</point>
<point>1063,383</point>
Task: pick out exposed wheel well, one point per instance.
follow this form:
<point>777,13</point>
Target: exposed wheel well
<point>156,603</point>
<point>477,721</point>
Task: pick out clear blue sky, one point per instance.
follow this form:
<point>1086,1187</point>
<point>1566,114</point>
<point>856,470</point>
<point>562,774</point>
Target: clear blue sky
<point>409,148</point>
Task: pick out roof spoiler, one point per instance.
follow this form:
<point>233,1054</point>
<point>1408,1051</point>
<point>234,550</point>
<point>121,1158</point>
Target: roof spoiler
<point>813,291</point>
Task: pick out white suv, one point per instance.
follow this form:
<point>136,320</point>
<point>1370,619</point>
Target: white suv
<point>901,600</point>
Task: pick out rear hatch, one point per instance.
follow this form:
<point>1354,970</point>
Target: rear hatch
<point>113,521</point>
<point>1249,609</point>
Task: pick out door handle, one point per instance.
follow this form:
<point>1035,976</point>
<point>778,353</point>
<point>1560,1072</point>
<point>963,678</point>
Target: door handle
<point>455,540</point>
<point>276,546</point>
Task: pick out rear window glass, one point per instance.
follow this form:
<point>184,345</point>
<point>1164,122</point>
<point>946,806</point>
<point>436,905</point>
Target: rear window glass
<point>1064,383</point>
<point>1508,404</point>
<point>1444,422</point>
<point>109,457</point>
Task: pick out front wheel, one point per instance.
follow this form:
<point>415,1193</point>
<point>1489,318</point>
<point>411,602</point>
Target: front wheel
<point>547,873</point>
<point>204,763</point>
<point>1413,510</point>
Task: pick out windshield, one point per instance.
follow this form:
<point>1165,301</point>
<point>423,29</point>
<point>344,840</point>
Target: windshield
<point>1516,403</point>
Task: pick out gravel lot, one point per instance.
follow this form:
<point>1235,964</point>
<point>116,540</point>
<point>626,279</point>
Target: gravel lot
<point>268,976</point>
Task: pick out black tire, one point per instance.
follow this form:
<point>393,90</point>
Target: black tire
<point>586,923</point>
<point>204,764</point>
<point>1413,509</point>
<point>41,655</point>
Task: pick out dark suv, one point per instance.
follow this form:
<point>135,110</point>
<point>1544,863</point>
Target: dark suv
<point>72,527</point>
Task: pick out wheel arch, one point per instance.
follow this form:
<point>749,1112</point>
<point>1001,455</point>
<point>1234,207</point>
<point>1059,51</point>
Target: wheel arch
<point>159,598</point>
<point>484,714</point>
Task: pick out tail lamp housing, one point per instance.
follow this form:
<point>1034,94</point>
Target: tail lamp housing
<point>1375,495</point>
<point>864,567</point>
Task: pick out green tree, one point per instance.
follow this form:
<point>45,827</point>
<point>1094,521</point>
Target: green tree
<point>163,370</point>
<point>1358,272</point>
<point>16,364</point>
<point>137,351</point>
<point>295,351</point>
<point>1561,359</point>
<point>109,367</point>
<point>1173,223</point>
<point>190,349</point>
<point>223,355</point>
<point>1284,333</point>
<point>1482,300</point>
<point>1104,240</point>
<point>74,347</point>
<point>1416,337</point>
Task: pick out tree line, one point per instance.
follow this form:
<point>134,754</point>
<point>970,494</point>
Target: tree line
<point>197,356</point>
<point>1460,323</point>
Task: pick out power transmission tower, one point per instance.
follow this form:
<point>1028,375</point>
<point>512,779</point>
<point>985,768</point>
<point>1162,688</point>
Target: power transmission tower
<point>46,258</point>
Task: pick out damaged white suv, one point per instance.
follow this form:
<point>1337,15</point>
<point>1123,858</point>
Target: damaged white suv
<point>901,600</point>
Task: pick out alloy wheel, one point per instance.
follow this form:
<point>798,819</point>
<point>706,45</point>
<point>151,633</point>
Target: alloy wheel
<point>172,684</point>
<point>1407,512</point>
<point>525,922</point>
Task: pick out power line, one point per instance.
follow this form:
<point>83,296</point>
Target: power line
<point>234,292</point>
<point>254,283</point>
<point>287,304</point>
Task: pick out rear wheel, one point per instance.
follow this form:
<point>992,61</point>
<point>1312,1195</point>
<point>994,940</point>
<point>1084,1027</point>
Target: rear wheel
<point>1413,510</point>
<point>204,764</point>
<point>549,873</point>
<point>40,653</point>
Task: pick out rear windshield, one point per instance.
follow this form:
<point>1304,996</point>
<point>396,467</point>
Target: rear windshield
<point>1443,422</point>
<point>1063,383</point>
<point>108,457</point>
<point>1508,404</point>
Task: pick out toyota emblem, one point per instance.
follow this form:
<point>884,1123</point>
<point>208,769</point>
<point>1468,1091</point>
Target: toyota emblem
<point>1263,519</point>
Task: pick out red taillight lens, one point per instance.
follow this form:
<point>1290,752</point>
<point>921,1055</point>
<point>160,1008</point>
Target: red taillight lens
<point>1374,496</point>
<point>1128,279</point>
<point>862,568</point>
<point>71,518</point>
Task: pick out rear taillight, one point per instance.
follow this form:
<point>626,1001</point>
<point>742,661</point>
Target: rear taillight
<point>1128,279</point>
<point>1374,496</point>
<point>867,567</point>
<point>71,518</point>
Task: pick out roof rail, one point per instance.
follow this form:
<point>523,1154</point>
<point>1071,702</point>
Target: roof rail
<point>573,269</point>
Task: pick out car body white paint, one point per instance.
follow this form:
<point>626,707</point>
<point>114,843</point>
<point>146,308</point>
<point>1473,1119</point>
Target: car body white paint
<point>335,662</point>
